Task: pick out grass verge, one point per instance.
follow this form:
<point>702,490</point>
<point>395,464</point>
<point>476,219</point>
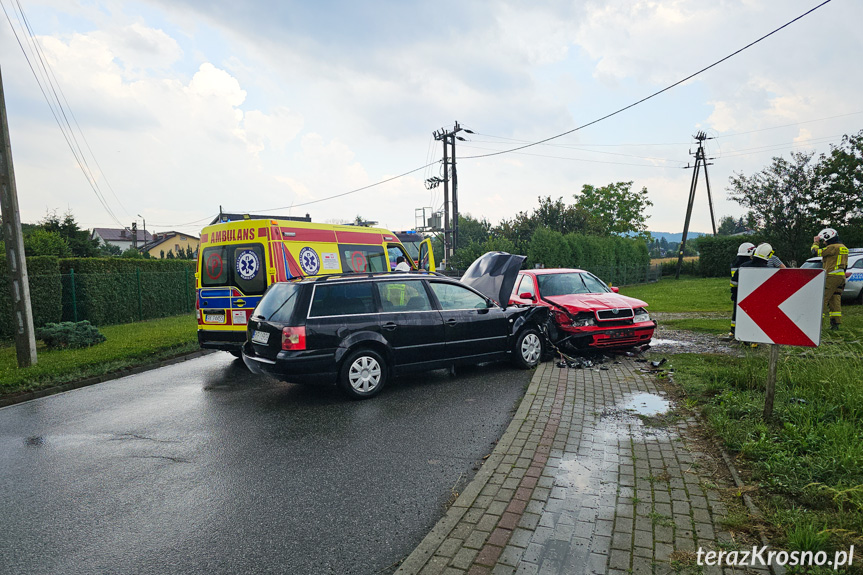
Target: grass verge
<point>687,294</point>
<point>807,462</point>
<point>127,345</point>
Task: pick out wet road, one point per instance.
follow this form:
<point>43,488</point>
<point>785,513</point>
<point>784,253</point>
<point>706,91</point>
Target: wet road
<point>202,468</point>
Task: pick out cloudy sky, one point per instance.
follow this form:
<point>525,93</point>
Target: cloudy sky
<point>181,106</point>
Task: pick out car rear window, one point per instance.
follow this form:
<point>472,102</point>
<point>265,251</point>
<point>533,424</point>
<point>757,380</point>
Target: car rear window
<point>342,299</point>
<point>359,258</point>
<point>279,303</point>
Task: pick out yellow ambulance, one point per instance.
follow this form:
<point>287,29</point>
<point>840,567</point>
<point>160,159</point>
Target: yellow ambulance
<point>239,259</point>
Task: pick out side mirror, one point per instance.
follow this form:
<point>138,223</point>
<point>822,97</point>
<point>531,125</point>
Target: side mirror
<point>527,295</point>
<point>615,289</point>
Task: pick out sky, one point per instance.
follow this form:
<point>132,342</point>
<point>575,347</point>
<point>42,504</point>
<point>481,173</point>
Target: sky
<point>176,108</point>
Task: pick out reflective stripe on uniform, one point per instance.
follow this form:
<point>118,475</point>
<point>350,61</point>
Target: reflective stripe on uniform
<point>835,314</point>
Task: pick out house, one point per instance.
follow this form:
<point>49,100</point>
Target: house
<point>176,243</point>
<point>122,238</point>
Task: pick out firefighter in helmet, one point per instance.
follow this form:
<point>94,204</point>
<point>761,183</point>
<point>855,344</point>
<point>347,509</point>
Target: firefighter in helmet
<point>834,260</point>
<point>744,254</point>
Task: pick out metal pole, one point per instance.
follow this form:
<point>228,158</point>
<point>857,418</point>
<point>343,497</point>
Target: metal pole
<point>19,285</point>
<point>140,301</point>
<point>771,382</point>
<point>74,299</point>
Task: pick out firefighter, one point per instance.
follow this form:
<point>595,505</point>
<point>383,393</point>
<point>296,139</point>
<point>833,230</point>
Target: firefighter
<point>744,254</point>
<point>834,260</point>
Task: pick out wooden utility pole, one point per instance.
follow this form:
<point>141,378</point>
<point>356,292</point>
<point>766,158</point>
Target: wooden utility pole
<point>19,286</point>
<point>700,160</point>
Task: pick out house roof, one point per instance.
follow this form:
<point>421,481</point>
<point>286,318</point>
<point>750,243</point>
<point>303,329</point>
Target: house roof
<point>162,237</point>
<point>120,235</point>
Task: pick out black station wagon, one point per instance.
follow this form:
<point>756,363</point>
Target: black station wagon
<point>358,330</point>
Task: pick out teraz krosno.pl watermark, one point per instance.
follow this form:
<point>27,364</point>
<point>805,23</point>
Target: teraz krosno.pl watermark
<point>763,556</point>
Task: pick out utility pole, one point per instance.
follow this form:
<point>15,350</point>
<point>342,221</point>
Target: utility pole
<point>135,235</point>
<point>700,160</point>
<point>450,229</point>
<point>19,285</point>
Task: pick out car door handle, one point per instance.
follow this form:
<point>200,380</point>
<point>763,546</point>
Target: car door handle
<point>389,326</point>
<point>451,322</point>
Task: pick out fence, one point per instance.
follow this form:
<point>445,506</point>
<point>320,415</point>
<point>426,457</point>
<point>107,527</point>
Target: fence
<point>109,298</point>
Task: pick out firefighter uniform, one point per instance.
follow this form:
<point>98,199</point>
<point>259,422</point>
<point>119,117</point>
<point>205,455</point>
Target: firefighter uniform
<point>834,259</point>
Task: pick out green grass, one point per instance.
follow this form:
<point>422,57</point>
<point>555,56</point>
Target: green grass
<point>808,460</point>
<point>687,294</point>
<point>127,345</point>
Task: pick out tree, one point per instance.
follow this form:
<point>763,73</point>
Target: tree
<point>79,240</point>
<point>109,250</point>
<point>839,200</point>
<point>131,253</point>
<point>472,230</point>
<point>728,226</point>
<point>616,208</point>
<point>781,200</point>
<point>40,242</point>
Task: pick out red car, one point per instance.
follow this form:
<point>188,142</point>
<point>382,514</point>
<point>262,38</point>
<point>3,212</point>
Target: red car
<point>587,313</point>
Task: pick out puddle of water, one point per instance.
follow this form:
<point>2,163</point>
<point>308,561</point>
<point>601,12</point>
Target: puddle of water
<point>646,404</point>
<point>655,342</point>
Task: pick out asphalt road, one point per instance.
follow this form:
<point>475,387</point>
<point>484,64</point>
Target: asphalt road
<point>202,468</point>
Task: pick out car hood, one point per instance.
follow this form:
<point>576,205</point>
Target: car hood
<point>595,301</point>
<point>493,274</point>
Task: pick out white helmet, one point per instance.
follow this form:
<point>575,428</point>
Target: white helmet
<point>827,234</point>
<point>745,249</point>
<point>763,251</point>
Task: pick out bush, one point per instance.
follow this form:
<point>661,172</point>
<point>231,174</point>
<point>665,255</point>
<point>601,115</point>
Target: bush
<point>717,252</point>
<point>43,274</point>
<point>69,335</point>
<point>106,290</point>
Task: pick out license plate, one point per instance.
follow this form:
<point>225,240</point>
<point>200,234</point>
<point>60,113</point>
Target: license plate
<point>622,333</point>
<point>261,337</point>
<point>214,318</point>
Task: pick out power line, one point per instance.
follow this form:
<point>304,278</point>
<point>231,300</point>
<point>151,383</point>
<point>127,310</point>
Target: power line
<point>348,193</point>
<point>55,105</point>
<point>653,95</point>
<point>581,159</point>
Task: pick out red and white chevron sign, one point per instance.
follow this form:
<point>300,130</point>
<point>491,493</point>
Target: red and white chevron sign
<point>781,306</point>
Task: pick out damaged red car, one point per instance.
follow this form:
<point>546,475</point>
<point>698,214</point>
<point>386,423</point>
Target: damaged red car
<point>586,312</point>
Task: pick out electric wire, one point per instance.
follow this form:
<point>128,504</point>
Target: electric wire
<point>653,95</point>
<point>55,106</point>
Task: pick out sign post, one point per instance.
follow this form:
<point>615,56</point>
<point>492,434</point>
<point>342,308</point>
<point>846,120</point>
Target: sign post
<point>779,307</point>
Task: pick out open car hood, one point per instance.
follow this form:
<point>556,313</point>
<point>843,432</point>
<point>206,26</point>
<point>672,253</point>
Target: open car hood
<point>493,274</point>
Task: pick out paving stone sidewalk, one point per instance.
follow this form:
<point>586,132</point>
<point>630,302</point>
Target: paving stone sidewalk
<point>592,476</point>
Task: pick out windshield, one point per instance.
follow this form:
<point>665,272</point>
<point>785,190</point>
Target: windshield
<point>413,249</point>
<point>570,283</point>
<point>278,303</point>
<point>812,264</point>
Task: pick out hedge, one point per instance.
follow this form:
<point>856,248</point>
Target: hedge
<point>118,290</point>
<point>615,259</point>
<point>717,252</point>
<point>43,274</point>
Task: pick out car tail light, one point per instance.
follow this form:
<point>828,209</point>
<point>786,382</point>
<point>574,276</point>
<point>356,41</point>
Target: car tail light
<point>294,338</point>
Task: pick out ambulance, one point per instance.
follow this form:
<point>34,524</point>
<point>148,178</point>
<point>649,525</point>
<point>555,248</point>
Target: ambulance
<point>239,259</point>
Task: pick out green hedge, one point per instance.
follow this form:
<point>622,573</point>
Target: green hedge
<point>116,290</point>
<point>717,252</point>
<point>43,274</point>
<point>616,260</point>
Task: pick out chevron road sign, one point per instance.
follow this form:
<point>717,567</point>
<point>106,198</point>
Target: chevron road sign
<point>780,306</point>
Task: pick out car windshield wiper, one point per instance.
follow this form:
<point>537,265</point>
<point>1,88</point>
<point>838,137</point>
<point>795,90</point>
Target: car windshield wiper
<point>275,311</point>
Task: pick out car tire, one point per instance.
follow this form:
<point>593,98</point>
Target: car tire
<point>363,374</point>
<point>528,349</point>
